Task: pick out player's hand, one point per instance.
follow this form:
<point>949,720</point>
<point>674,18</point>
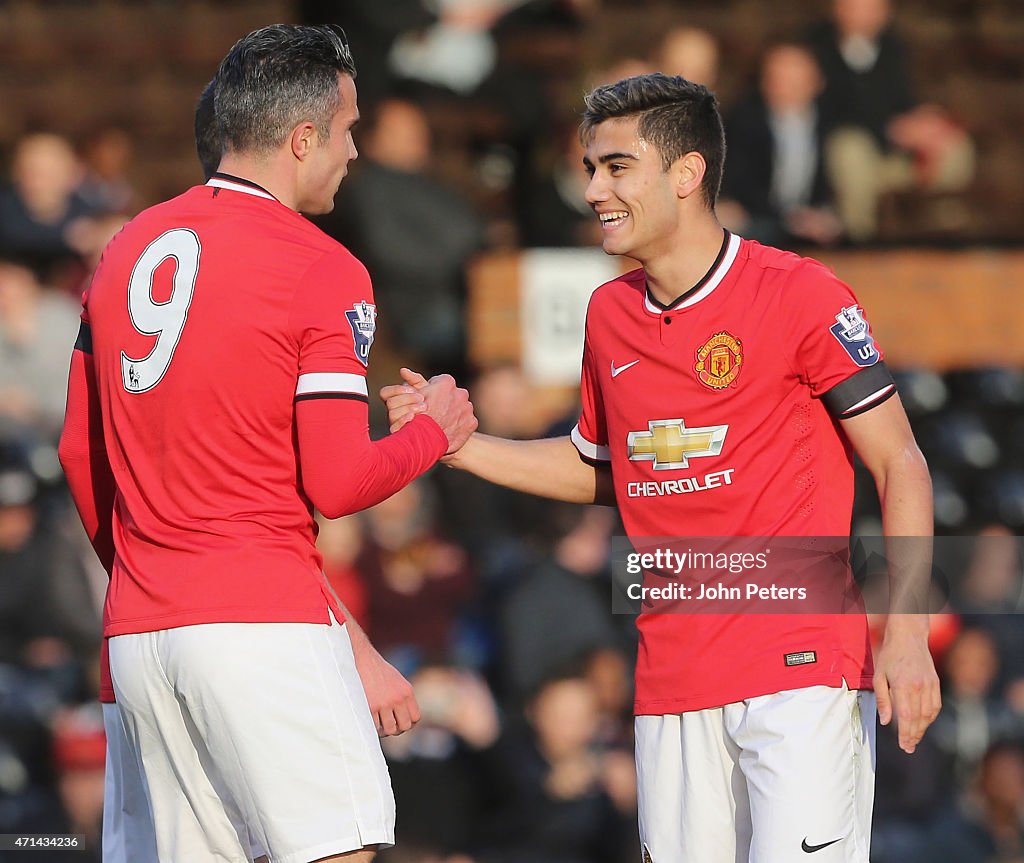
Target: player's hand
<point>906,684</point>
<point>404,401</point>
<point>392,703</point>
<point>449,406</point>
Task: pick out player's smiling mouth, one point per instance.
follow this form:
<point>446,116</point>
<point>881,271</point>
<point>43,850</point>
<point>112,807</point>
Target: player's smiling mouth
<point>613,218</point>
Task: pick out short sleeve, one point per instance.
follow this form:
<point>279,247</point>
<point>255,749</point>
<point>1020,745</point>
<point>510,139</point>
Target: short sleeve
<point>590,435</point>
<point>833,349</point>
<point>829,336</point>
<point>334,320</point>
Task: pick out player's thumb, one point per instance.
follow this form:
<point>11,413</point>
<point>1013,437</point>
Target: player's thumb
<point>884,700</point>
<point>413,378</point>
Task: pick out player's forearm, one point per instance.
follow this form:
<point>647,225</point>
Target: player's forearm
<point>905,491</point>
<point>550,468</point>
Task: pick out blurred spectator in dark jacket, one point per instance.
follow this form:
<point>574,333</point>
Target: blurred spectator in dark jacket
<point>559,612</point>
<point>49,620</point>
<point>414,234</point>
<point>493,524</point>
<point>37,333</point>
<point>106,186</point>
<point>556,212</point>
<point>991,597</point>
<point>882,140</point>
<point>774,189</point>
<point>443,769</point>
<point>41,207</point>
<point>988,825</point>
<point>972,716</point>
<point>564,803</point>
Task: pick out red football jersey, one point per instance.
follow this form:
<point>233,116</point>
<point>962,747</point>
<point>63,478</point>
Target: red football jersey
<point>210,315</point>
<point>711,413</point>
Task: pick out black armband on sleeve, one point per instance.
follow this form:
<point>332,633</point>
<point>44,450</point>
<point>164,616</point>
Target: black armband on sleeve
<point>84,341</point>
<point>860,392</point>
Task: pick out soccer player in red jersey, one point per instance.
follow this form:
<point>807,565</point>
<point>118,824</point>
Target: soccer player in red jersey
<point>725,388</point>
<point>217,395</point>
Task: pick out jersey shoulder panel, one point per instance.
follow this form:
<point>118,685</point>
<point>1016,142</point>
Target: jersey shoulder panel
<point>622,288</point>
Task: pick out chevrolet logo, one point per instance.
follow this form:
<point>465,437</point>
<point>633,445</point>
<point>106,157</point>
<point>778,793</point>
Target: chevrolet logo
<point>670,444</point>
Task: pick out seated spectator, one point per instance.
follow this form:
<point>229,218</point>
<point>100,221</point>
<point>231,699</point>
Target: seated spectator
<point>610,675</point>
<point>494,524</point>
<point>973,717</point>
<point>442,770</point>
<point>987,826</point>
<point>456,52</point>
<point>38,328</point>
<point>991,596</point>
<point>413,233</point>
<point>106,186</point>
<point>689,52</point>
<point>558,613</point>
<point>774,189</point>
<point>881,138</point>
<point>564,802</point>
<point>39,631</point>
<point>556,212</point>
<point>41,205</point>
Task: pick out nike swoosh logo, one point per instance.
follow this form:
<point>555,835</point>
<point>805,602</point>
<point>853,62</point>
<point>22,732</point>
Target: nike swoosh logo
<point>618,371</point>
<point>810,849</point>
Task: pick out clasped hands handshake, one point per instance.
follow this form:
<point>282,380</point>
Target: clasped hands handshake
<point>439,398</point>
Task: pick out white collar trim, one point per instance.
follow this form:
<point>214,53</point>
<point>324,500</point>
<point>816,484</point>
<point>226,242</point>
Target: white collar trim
<point>221,183</point>
<point>714,279</point>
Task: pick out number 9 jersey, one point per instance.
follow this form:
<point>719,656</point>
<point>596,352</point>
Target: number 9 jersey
<point>207,318</point>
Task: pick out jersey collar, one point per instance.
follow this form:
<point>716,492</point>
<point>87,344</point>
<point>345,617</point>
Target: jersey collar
<point>712,279</point>
<point>220,180</point>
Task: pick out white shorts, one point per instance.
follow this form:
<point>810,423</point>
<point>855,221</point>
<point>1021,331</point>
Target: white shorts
<point>783,778</point>
<point>254,738</point>
<point>128,835</point>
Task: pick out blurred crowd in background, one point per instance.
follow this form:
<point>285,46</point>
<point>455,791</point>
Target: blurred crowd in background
<point>497,606</point>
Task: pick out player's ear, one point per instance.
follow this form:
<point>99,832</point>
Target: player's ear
<point>689,173</point>
<point>303,140</point>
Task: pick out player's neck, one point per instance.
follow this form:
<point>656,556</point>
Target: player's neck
<point>265,172</point>
<point>684,262</point>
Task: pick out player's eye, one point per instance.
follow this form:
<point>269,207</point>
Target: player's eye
<point>614,168</point>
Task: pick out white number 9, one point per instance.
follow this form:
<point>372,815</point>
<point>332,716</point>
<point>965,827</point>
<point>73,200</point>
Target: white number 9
<point>163,320</point>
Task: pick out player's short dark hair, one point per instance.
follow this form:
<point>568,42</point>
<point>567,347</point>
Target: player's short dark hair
<point>208,141</point>
<point>675,115</point>
<point>277,77</point>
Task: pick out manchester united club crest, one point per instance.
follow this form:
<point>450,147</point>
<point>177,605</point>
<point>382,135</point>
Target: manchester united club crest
<point>719,360</point>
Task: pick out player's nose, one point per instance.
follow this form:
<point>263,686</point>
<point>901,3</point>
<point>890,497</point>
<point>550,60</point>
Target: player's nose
<point>596,190</point>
